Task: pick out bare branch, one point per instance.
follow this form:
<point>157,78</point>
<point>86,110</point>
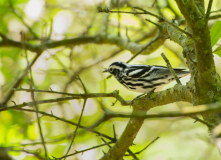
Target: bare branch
<point>79,122</point>
<point>155,1</point>
<point>115,135</point>
<point>19,80</point>
<point>32,94</point>
<point>153,23</point>
<point>22,20</point>
<point>82,151</point>
<point>69,122</point>
<point>215,17</point>
<point>177,93</point>
<point>132,154</point>
<point>145,47</point>
<point>106,143</point>
<point>202,121</point>
<point>148,145</point>
<point>214,107</point>
<point>114,94</point>
<point>98,39</point>
<point>171,69</point>
<point>35,153</point>
<point>208,10</point>
<point>149,13</point>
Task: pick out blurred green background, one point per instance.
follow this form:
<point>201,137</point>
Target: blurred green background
<point>180,138</point>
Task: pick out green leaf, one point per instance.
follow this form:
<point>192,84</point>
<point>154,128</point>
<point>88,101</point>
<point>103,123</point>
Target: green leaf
<point>218,51</point>
<point>215,33</point>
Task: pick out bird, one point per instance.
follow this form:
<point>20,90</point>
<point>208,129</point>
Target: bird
<point>143,78</point>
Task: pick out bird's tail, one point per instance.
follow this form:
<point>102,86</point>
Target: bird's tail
<point>181,73</point>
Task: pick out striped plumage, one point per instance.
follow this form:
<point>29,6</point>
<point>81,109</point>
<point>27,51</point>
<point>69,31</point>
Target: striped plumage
<point>143,78</point>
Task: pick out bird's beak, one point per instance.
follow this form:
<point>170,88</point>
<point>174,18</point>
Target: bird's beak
<point>106,70</point>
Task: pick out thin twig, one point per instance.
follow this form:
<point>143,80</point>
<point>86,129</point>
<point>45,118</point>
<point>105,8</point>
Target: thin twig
<point>70,122</point>
<point>102,119</point>
<point>82,151</point>
<point>85,90</point>
<point>213,108</point>
<point>98,39</point>
<point>153,23</point>
<point>148,45</point>
<point>22,20</point>
<point>208,11</point>
<point>119,16</point>
<point>32,94</point>
<point>50,29</point>
<point>153,3</point>
<point>19,80</point>
<point>149,13</point>
<point>132,154</point>
<point>106,143</point>
<point>47,91</point>
<point>114,94</point>
<point>148,145</point>
<point>143,49</point>
<point>171,69</point>
<point>104,27</point>
<point>80,96</point>
<point>75,132</point>
<point>215,17</point>
<point>115,135</point>
<point>161,19</point>
<point>36,153</point>
<point>86,31</point>
<point>79,121</point>
<point>202,121</point>
<point>215,11</point>
<point>128,38</point>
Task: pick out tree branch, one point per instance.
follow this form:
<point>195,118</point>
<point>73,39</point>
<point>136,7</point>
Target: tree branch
<point>98,39</point>
<point>76,96</point>
<point>171,69</point>
<point>187,112</point>
<point>88,149</point>
<point>149,13</point>
<point>205,77</point>
<point>75,132</point>
<point>32,95</point>
<point>148,145</point>
<point>208,10</point>
<point>177,93</point>
<point>18,81</point>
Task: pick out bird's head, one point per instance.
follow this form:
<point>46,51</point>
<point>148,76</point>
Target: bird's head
<point>116,67</point>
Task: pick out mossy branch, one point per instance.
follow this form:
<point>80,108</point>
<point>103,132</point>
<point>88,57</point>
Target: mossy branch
<point>103,38</point>
<point>177,93</point>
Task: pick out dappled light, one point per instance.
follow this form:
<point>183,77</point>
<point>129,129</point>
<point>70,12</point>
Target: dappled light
<point>72,74</point>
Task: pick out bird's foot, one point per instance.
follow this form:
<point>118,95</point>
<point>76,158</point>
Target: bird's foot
<point>147,96</point>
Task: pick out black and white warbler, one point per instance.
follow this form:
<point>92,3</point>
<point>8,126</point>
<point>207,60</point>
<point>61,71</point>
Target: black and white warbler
<point>143,78</point>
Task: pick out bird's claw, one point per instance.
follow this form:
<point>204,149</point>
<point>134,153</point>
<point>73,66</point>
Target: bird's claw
<point>142,95</point>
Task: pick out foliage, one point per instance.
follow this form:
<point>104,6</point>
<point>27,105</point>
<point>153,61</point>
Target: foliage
<point>67,45</point>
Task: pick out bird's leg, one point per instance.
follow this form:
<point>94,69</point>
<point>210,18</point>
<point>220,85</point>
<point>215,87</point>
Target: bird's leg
<point>147,94</point>
<point>142,95</point>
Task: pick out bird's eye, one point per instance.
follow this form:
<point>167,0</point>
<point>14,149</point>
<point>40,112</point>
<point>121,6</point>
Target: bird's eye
<point>111,69</point>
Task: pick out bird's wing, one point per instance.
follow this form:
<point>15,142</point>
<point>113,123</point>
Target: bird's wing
<point>137,71</point>
<point>164,71</point>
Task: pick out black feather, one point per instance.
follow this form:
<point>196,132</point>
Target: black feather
<point>143,78</point>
